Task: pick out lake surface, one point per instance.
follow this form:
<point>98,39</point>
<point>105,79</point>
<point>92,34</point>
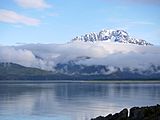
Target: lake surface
<point>72,101</point>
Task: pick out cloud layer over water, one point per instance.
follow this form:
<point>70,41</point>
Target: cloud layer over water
<point>46,56</point>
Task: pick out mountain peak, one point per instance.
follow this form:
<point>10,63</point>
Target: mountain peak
<point>120,36</point>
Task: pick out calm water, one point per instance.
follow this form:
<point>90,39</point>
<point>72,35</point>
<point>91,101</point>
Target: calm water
<point>72,101</point>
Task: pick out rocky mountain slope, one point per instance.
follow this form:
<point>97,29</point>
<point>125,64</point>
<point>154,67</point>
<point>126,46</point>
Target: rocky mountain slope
<point>120,36</point>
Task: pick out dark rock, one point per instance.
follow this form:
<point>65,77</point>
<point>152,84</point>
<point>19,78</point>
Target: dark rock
<point>99,118</point>
<point>123,115</point>
<point>145,113</point>
<point>136,113</point>
<point>108,117</point>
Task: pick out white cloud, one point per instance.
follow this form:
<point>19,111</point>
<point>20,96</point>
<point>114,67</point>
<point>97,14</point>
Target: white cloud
<point>9,16</point>
<point>23,57</point>
<point>36,4</point>
<point>46,56</point>
<point>101,53</point>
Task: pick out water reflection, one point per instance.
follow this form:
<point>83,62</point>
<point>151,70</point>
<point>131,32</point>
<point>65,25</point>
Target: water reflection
<point>73,101</point>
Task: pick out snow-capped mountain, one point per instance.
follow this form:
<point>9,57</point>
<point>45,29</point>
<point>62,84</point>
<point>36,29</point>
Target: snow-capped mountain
<point>99,55</point>
<point>120,36</point>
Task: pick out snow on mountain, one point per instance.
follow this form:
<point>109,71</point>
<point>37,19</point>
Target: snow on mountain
<point>111,36</point>
<point>98,57</point>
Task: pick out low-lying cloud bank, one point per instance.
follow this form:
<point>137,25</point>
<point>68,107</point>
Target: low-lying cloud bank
<point>46,56</point>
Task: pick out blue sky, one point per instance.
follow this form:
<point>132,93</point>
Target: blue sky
<point>58,21</point>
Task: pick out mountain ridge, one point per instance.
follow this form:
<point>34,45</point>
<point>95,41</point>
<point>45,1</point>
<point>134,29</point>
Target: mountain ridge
<point>11,71</point>
<point>120,36</point>
<point>113,54</point>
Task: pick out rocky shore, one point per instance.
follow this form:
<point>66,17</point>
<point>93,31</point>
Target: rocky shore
<point>135,113</point>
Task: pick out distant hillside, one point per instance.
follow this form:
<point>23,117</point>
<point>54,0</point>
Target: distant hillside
<point>11,71</point>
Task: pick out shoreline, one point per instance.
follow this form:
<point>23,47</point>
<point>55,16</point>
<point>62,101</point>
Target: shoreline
<point>134,113</point>
<point>83,81</point>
